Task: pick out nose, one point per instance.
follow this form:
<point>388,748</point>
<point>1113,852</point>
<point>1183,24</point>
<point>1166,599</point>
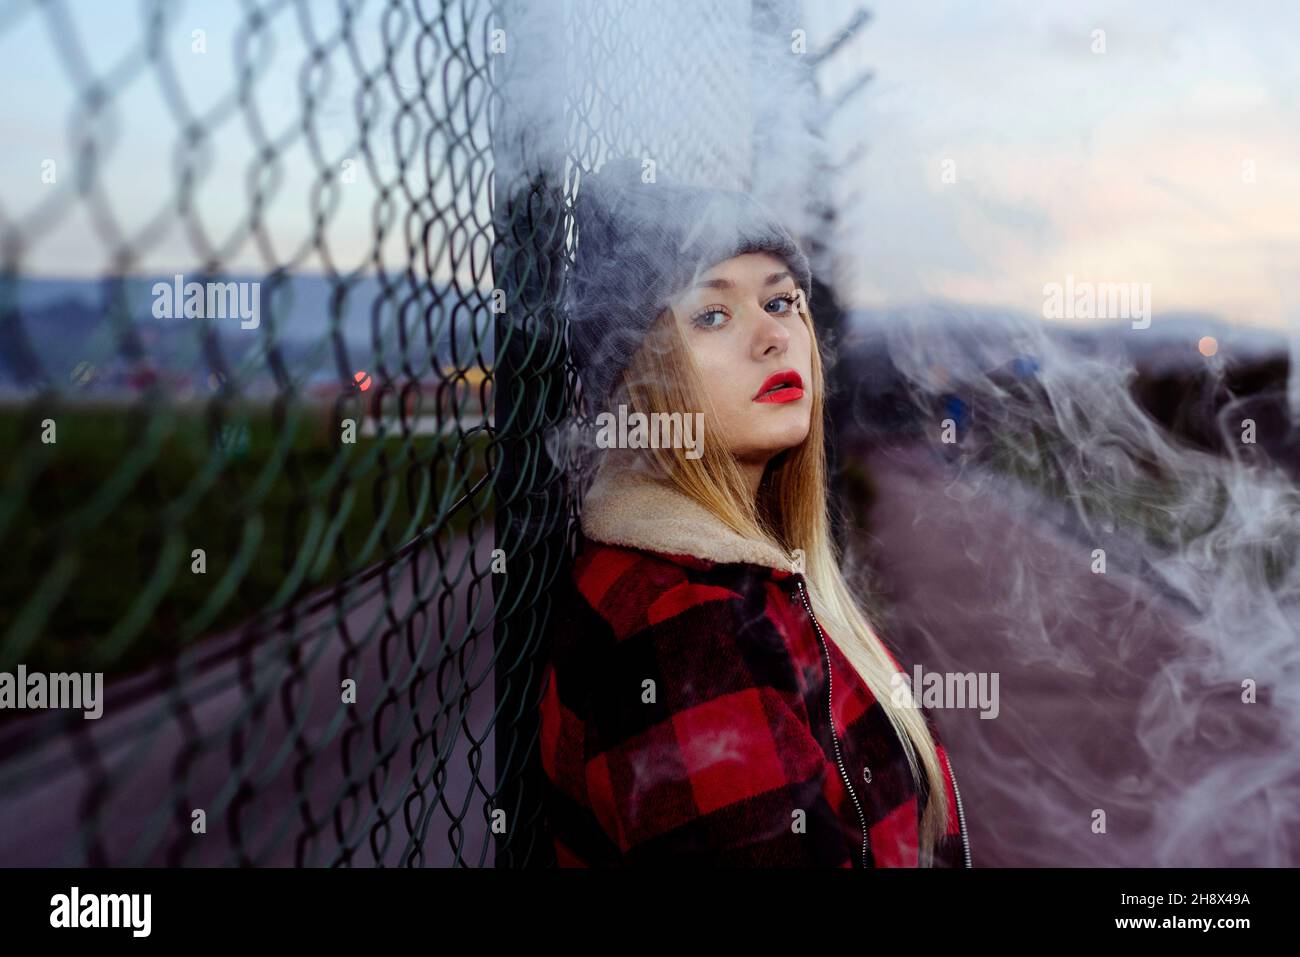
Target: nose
<point>771,335</point>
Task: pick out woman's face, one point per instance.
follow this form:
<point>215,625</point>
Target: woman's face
<point>742,326</point>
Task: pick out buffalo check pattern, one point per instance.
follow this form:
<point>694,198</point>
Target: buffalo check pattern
<point>684,722</point>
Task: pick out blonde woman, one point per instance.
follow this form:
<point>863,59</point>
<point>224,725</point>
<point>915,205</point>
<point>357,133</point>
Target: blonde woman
<point>714,695</point>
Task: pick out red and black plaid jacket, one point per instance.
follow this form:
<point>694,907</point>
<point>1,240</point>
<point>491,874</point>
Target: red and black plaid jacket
<point>685,714</point>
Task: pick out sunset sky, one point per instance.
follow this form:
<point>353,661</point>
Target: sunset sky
<point>1173,158</point>
<point>1132,165</point>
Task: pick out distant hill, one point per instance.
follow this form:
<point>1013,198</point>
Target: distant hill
<point>72,332</point>
<point>1171,339</point>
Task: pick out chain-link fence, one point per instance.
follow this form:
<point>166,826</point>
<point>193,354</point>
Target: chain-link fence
<point>281,356</point>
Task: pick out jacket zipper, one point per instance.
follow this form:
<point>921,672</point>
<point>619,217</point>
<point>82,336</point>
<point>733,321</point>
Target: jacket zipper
<point>961,816</point>
<point>830,715</point>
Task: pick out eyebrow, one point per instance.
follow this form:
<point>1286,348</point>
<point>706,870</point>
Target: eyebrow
<point>772,280</point>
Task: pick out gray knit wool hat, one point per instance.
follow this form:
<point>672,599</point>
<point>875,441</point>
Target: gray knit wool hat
<point>639,245</point>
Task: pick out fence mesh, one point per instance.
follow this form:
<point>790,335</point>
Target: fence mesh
<point>281,362</point>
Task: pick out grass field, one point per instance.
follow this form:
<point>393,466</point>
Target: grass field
<point>98,527</point>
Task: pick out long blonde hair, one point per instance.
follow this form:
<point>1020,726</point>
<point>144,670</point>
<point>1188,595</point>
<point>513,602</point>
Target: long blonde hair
<point>792,511</point>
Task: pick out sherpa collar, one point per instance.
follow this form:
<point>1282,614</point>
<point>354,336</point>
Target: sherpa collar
<point>628,506</point>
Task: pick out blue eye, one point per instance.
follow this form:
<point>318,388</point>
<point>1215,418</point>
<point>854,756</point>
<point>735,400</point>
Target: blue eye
<point>699,317</point>
<point>789,300</point>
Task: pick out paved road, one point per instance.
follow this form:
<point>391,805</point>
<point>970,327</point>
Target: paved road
<point>301,754</point>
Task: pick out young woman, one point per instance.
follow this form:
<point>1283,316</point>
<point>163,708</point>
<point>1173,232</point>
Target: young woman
<point>714,695</point>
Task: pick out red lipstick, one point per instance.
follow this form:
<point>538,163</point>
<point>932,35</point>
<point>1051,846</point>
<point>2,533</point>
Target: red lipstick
<point>783,386</point>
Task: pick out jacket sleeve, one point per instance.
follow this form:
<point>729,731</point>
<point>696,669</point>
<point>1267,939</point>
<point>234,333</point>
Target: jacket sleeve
<point>699,750</point>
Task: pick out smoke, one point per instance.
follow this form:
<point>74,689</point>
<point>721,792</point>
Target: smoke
<point>1139,595</point>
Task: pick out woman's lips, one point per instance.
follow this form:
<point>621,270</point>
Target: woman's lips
<point>783,386</point>
<point>787,394</point>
